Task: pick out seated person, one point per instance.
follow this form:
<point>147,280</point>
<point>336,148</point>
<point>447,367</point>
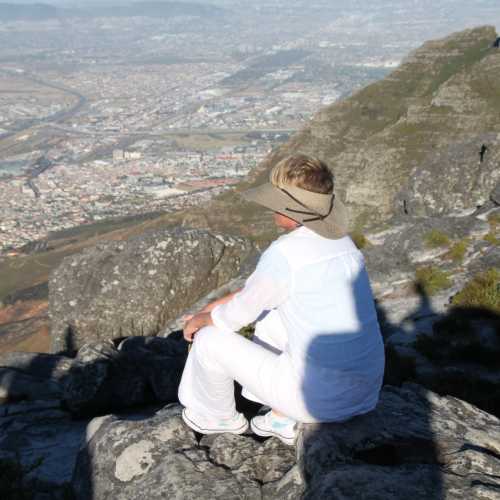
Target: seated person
<point>317,354</point>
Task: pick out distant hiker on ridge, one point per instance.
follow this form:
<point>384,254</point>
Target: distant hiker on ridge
<point>482,152</point>
<point>317,354</point>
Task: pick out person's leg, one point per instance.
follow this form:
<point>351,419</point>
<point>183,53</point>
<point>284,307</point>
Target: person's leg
<point>218,358</point>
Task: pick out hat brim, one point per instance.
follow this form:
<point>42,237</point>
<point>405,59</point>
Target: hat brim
<point>333,226</point>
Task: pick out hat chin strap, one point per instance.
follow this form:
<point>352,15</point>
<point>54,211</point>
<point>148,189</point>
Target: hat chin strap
<point>310,211</point>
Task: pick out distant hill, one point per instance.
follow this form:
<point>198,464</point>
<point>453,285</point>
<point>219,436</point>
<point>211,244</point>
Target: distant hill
<point>28,12</point>
<point>42,12</point>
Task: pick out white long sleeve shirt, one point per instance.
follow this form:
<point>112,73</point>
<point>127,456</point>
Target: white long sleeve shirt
<point>320,289</point>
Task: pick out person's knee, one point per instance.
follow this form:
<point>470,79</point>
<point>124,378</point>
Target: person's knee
<point>205,339</point>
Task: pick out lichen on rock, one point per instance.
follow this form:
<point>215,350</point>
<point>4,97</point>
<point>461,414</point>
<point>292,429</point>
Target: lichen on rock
<point>122,289</point>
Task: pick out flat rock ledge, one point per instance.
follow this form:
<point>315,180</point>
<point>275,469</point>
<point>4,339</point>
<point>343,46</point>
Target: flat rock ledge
<point>414,445</point>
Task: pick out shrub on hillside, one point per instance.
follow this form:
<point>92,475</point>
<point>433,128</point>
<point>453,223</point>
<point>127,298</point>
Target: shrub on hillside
<point>457,252</point>
<point>436,238</point>
<point>359,239</point>
<point>481,291</point>
<point>432,279</point>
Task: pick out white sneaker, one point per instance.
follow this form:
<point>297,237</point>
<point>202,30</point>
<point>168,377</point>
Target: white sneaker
<point>271,425</point>
<point>204,425</point>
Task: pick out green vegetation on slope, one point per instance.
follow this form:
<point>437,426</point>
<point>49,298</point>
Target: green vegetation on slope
<point>458,250</point>
<point>436,239</point>
<point>432,279</point>
<point>481,291</point>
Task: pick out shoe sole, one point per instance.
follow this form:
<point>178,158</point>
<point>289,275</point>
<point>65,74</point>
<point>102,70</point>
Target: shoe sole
<point>267,433</point>
<point>201,430</point>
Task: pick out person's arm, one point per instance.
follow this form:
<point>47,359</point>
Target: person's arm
<point>222,300</point>
<point>211,305</point>
<point>266,288</point>
<point>193,322</point>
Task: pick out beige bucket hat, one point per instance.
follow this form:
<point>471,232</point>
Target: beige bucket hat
<point>324,214</point>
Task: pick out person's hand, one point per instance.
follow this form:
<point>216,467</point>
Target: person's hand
<point>195,323</point>
<point>188,317</point>
<point>206,309</point>
<point>210,306</point>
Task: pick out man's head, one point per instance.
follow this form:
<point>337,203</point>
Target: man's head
<point>301,192</point>
<point>304,172</point>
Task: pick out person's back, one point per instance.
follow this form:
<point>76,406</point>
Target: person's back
<point>317,353</point>
<point>331,322</point>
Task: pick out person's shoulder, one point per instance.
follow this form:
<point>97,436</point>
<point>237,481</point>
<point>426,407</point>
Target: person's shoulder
<point>304,246</point>
<point>276,247</point>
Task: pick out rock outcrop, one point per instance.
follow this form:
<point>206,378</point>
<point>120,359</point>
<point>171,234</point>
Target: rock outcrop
<point>431,338</point>
<point>414,445</point>
<point>101,378</point>
<point>39,444</point>
<point>159,456</point>
<point>28,376</point>
<point>394,251</point>
<point>143,371</point>
<point>121,289</point>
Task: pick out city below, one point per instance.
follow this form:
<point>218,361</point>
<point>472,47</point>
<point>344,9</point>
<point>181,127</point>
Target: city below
<point>104,117</point>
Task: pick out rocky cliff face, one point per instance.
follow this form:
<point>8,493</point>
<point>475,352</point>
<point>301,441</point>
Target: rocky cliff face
<point>120,289</point>
<point>411,142</point>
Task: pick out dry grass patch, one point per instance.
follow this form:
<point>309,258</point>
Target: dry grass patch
<point>436,239</point>
<point>432,279</point>
<point>483,290</point>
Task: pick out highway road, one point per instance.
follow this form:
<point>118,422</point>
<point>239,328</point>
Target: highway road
<point>58,117</point>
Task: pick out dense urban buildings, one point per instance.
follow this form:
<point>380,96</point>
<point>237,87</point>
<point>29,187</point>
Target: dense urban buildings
<point>110,113</point>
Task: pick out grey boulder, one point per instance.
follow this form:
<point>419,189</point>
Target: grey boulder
<point>415,444</point>
<point>39,444</point>
<point>158,456</point>
<point>143,371</point>
<point>122,289</point>
<point>25,375</point>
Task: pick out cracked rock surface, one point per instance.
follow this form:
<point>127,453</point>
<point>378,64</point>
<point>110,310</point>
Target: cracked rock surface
<point>414,445</point>
<point>158,456</point>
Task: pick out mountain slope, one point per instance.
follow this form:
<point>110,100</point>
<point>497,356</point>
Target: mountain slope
<point>447,93</point>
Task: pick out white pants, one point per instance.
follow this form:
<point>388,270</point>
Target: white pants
<point>218,358</point>
<point>265,371</point>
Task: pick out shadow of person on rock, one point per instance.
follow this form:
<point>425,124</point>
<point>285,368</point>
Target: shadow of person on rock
<point>381,452</point>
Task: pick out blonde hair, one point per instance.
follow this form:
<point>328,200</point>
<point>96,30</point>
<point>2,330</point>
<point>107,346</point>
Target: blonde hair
<point>304,172</point>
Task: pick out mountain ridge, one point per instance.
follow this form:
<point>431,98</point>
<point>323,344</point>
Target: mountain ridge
<point>46,11</point>
<point>394,124</point>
